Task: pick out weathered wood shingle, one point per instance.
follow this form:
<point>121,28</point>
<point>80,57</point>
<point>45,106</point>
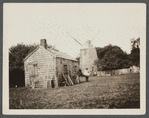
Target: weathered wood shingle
<point>49,64</point>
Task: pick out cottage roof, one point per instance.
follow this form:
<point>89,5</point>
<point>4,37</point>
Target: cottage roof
<point>55,53</point>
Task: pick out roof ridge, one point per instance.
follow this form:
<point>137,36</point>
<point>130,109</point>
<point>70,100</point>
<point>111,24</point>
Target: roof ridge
<point>63,55</point>
<point>55,53</point>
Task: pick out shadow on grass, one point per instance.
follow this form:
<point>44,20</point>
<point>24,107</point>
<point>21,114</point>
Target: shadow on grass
<point>101,104</point>
<point>127,104</point>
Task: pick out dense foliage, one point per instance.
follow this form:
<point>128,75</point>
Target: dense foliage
<point>17,54</point>
<point>113,57</point>
<point>135,52</point>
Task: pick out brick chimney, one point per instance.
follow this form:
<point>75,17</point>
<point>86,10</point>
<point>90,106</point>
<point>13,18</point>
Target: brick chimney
<point>43,43</point>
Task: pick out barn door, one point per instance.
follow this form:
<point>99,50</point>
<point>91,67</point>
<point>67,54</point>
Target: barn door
<point>33,74</point>
<point>65,70</point>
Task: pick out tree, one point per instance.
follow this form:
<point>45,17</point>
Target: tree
<point>111,57</point>
<point>135,52</point>
<point>17,54</point>
<point>135,43</point>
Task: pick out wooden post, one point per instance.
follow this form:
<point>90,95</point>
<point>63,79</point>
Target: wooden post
<point>65,79</point>
<point>70,80</point>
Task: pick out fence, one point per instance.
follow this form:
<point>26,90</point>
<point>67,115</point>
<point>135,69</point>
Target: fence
<point>132,69</point>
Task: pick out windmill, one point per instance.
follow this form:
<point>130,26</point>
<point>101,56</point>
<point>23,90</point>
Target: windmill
<point>88,54</point>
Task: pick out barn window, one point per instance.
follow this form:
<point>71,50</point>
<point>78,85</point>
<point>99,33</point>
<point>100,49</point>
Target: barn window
<point>75,68</point>
<point>65,69</point>
<point>33,70</point>
<point>92,68</point>
<point>56,73</point>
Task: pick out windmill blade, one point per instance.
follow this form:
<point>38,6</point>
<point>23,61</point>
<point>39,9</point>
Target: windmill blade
<point>74,39</point>
<point>95,36</point>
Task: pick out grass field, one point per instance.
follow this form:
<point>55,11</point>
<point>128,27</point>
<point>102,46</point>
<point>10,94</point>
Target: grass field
<point>99,93</point>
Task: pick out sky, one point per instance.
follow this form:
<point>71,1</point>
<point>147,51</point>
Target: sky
<point>104,23</point>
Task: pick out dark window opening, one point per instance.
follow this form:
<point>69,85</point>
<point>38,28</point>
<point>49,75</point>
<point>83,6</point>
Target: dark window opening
<point>65,69</point>
<point>75,68</point>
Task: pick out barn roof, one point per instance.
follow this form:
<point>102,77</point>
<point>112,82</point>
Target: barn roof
<point>31,53</point>
<point>55,53</point>
<point>61,54</point>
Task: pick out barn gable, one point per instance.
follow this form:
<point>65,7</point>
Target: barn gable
<point>42,63</point>
<point>34,52</point>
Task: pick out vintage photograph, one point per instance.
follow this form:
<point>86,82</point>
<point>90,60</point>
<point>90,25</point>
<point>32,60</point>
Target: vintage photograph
<point>74,56</point>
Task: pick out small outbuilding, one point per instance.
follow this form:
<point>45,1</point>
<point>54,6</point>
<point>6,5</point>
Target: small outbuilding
<point>45,67</point>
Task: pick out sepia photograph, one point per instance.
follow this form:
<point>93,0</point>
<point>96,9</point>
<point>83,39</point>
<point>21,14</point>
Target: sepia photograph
<point>74,58</point>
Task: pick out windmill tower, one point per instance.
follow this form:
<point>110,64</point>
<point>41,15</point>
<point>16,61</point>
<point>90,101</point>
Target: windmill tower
<point>88,55</point>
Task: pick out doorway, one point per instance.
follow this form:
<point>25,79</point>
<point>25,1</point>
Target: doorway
<point>33,75</point>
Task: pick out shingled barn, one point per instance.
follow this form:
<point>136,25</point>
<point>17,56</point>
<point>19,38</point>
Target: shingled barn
<point>45,67</point>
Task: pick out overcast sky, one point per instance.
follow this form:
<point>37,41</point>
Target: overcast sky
<point>112,24</point>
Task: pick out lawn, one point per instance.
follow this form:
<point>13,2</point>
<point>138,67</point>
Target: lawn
<point>99,93</point>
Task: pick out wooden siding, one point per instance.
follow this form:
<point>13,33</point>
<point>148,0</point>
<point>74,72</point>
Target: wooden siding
<point>48,68</point>
<point>60,62</point>
<point>45,67</point>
